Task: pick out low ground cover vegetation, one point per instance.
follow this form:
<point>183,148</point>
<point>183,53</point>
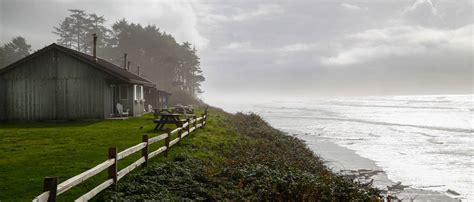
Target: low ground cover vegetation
<point>240,157</point>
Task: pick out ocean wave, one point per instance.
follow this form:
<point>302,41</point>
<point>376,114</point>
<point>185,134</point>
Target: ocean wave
<point>322,111</point>
<point>424,134</point>
<point>413,132</point>
<point>397,130</point>
<point>389,106</point>
<point>428,101</point>
<point>464,153</point>
<point>459,130</point>
<point>406,101</point>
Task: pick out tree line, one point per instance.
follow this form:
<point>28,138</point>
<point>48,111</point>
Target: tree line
<point>152,53</point>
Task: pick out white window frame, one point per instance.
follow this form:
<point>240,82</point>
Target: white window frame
<point>137,96</point>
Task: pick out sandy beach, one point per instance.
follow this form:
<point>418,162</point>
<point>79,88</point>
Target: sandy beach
<point>347,162</point>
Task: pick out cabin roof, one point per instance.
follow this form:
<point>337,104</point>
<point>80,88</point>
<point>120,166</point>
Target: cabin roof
<point>98,63</point>
<point>165,92</point>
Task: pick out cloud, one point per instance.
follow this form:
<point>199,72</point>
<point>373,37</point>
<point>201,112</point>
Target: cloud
<point>242,47</point>
<point>423,6</point>
<point>212,17</point>
<point>412,41</point>
<point>422,12</point>
<point>352,7</point>
<point>262,10</point>
<point>179,18</point>
<point>247,46</point>
<point>297,47</point>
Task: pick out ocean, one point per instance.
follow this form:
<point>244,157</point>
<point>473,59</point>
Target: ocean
<point>424,141</point>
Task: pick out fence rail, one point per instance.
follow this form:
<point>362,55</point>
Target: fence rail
<point>51,188</point>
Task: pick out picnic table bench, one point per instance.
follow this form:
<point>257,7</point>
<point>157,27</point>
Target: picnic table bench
<point>167,118</point>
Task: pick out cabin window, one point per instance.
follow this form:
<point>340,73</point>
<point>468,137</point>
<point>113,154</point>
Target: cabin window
<point>138,92</point>
<point>123,91</point>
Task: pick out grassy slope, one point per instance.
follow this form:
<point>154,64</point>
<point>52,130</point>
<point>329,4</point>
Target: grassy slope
<point>227,159</point>
<point>240,157</point>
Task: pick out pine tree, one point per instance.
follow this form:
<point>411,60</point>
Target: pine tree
<point>76,29</point>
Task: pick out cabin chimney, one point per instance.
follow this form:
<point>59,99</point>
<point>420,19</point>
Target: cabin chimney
<point>94,50</point>
<point>128,66</point>
<point>125,61</point>
<point>138,70</point>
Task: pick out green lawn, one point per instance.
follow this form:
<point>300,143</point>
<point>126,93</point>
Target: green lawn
<point>31,151</point>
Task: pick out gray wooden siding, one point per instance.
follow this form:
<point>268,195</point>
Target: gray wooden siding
<point>152,97</point>
<point>2,100</point>
<point>138,108</point>
<point>108,101</point>
<point>30,91</point>
<point>81,90</point>
<point>45,88</point>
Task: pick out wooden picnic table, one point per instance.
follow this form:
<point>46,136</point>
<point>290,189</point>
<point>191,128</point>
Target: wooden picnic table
<point>185,111</point>
<point>167,118</point>
<point>158,111</point>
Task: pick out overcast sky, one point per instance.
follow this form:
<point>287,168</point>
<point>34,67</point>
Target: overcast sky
<point>305,48</point>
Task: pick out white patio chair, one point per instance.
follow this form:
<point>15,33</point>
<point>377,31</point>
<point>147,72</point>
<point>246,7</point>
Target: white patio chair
<point>120,110</point>
<point>150,108</point>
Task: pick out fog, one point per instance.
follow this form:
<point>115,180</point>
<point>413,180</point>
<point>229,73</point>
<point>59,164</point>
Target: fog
<point>286,49</point>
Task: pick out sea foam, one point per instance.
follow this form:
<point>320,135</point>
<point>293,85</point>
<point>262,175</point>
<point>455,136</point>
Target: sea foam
<point>424,141</point>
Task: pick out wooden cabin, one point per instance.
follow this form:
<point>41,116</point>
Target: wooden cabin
<point>58,83</point>
<point>156,98</point>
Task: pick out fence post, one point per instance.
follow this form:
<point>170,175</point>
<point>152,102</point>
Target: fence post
<point>51,184</point>
<point>113,168</point>
<point>167,142</point>
<point>180,132</point>
<point>188,127</point>
<point>145,150</point>
<point>202,121</point>
<point>195,124</point>
<point>204,116</point>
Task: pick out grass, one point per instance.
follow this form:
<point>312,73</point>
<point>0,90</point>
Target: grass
<point>31,151</point>
<point>234,156</point>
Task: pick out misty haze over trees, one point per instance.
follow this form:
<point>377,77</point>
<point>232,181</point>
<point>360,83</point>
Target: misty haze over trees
<point>152,53</point>
<point>13,51</point>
